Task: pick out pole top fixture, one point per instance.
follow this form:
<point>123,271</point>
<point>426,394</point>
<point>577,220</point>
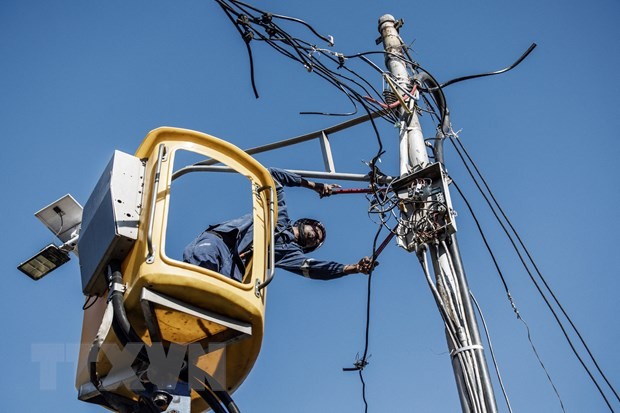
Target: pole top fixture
<point>386,18</point>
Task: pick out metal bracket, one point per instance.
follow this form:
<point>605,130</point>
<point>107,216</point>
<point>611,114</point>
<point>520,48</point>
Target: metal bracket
<point>118,287</point>
<point>257,287</point>
<point>327,153</point>
<point>240,329</point>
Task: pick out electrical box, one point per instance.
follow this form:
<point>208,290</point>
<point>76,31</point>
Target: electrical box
<point>426,207</point>
<point>110,220</point>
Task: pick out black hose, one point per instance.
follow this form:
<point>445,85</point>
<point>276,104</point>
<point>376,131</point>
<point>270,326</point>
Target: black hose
<point>211,399</point>
<point>222,395</point>
<point>228,402</point>
<point>444,122</point>
<point>438,147</point>
<point>433,87</point>
<point>120,323</point>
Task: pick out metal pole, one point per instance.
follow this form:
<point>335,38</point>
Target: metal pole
<point>450,289</point>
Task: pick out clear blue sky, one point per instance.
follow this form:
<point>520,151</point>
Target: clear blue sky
<point>79,79</point>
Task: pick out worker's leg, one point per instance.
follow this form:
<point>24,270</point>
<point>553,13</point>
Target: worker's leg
<point>209,251</point>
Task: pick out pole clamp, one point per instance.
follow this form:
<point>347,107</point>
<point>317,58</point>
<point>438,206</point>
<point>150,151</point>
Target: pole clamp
<point>114,287</point>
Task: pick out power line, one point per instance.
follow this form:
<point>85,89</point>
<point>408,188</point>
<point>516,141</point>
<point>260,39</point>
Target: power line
<point>454,138</point>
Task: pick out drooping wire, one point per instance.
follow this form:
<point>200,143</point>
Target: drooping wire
<point>488,336</point>
<point>246,38</point>
<point>498,72</point>
<point>362,362</point>
<point>361,374</point>
<point>454,138</point>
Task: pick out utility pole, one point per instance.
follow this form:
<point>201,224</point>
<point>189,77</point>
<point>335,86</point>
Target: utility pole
<point>427,225</point>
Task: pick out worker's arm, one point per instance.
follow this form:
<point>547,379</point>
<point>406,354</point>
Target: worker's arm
<point>295,261</point>
<point>319,188</point>
<point>287,178</point>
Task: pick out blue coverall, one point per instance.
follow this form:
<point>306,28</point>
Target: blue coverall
<point>219,247</point>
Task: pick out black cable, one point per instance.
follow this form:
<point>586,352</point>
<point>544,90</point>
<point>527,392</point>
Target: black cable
<point>369,291</point>
<point>498,72</point>
<point>294,19</point>
<point>436,92</point>
<point>211,399</point>
<point>374,172</point>
<point>222,396</point>
<point>247,45</point>
<point>488,247</point>
<point>361,363</point>
<point>532,278</point>
<point>121,325</point>
<point>330,56</point>
<point>322,72</point>
<point>361,374</point>
<point>88,303</point>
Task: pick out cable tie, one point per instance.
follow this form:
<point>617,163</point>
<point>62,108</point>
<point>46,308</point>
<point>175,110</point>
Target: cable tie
<point>243,20</point>
<point>358,365</point>
<point>248,36</point>
<point>266,18</point>
<point>271,31</point>
<point>341,60</point>
<point>454,352</point>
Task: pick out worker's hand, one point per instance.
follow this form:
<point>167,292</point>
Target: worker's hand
<point>325,189</point>
<point>365,265</point>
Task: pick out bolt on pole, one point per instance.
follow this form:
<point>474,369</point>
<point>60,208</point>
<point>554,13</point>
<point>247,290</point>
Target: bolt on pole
<point>421,189</point>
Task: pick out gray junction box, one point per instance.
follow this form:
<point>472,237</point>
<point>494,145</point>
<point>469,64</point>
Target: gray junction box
<point>110,220</point>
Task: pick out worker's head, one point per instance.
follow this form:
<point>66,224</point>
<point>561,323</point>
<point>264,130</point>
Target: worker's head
<point>310,234</point>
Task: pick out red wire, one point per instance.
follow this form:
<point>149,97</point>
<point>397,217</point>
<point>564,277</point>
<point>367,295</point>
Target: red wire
<point>392,105</point>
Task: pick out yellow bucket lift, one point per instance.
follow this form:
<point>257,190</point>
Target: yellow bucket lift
<point>188,335</point>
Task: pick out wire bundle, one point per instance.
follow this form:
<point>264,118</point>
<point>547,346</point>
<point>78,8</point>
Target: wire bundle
<point>447,294</point>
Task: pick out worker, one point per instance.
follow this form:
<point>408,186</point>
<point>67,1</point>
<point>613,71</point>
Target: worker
<point>226,247</point>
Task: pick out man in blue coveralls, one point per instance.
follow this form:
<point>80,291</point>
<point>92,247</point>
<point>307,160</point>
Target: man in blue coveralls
<point>223,247</point>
